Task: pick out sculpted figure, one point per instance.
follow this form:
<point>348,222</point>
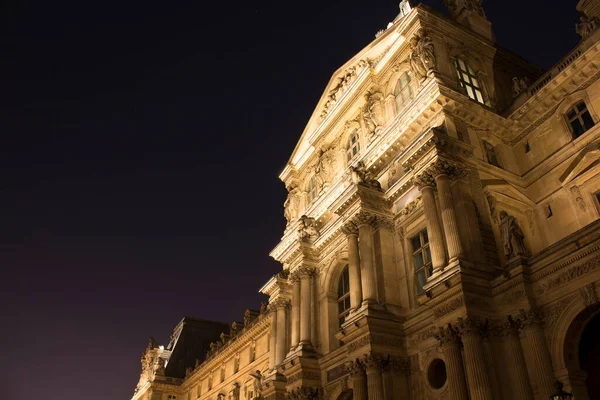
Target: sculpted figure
<point>586,26</point>
<point>405,7</point>
<point>257,384</point>
<point>160,366</point>
<point>360,175</point>
<point>374,114</point>
<point>235,392</point>
<point>457,6</point>
<point>422,56</point>
<point>325,168</point>
<point>292,203</point>
<point>308,228</point>
<point>512,236</point>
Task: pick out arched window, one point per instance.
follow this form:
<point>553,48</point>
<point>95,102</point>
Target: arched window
<point>421,259</point>
<point>403,89</point>
<point>344,296</point>
<point>353,147</point>
<point>311,190</point>
<point>468,80</point>
<point>579,119</point>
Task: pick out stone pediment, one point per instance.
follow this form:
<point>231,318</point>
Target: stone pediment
<point>587,158</point>
<point>508,193</point>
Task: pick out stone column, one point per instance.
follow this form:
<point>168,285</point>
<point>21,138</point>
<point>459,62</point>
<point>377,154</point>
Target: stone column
<point>434,229</point>
<point>534,342</point>
<point>305,303</point>
<point>295,312</point>
<point>374,377</point>
<point>351,231</point>
<point>441,172</point>
<point>359,380</point>
<point>281,348</point>
<point>273,337</point>
<point>480,384</point>
<point>388,379</point>
<point>516,369</point>
<point>365,231</point>
<point>455,370</point>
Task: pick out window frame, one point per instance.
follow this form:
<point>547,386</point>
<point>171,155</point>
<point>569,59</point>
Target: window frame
<point>426,257</point>
<point>353,146</point>
<point>472,85</point>
<point>312,189</point>
<point>399,89</point>
<point>578,117</point>
<point>343,297</point>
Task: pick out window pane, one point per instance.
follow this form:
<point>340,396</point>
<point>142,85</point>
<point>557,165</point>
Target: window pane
<point>461,64</point>
<point>571,114</point>
<point>587,120</point>
<point>427,255</point>
<point>475,82</point>
<point>421,280</point>
<point>418,258</point>
<point>425,237</point>
<point>470,92</point>
<point>416,243</point>
<point>577,128</point>
<point>479,97</point>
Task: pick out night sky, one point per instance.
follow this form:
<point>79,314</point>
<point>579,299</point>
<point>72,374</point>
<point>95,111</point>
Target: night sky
<point>141,147</point>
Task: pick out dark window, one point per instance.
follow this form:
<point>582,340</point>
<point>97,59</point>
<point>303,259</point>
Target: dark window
<point>421,259</point>
<point>527,147</point>
<point>353,146</point>
<point>344,296</point>
<point>490,153</point>
<point>403,89</point>
<point>312,188</point>
<point>468,80</point>
<point>579,119</point>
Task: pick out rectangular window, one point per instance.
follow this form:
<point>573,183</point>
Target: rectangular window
<point>421,259</point>
<point>579,119</point>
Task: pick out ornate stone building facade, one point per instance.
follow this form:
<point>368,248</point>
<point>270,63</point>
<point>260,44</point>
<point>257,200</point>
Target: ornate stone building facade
<point>443,230</point>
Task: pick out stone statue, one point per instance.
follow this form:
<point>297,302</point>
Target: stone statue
<point>405,8</point>
<point>292,204</point>
<point>374,113</point>
<point>586,26</point>
<point>235,393</point>
<point>512,236</point>
<point>159,369</point>
<point>308,228</point>
<point>519,85</point>
<point>257,384</point>
<point>422,56</point>
<point>360,175</point>
<point>325,168</point>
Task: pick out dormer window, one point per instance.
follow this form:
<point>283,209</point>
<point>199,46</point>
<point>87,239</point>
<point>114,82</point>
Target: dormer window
<point>353,147</point>
<point>468,80</point>
<point>311,189</point>
<point>579,119</point>
<point>403,89</point>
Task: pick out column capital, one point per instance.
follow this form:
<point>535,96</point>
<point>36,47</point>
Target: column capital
<point>447,335</point>
<point>355,368</point>
<point>385,223</point>
<point>449,168</point>
<point>529,317</point>
<point>350,228</point>
<point>424,180</point>
<point>305,271</point>
<point>364,218</point>
<point>506,327</point>
<point>279,303</point>
<point>471,325</point>
<point>372,362</point>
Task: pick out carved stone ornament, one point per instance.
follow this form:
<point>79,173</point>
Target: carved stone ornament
<point>307,229</point>
<point>588,294</point>
<point>586,26</point>
<point>304,393</point>
<point>374,114</point>
<point>235,392</point>
<point>509,326</point>
<point>578,198</point>
<point>529,317</point>
<point>456,7</point>
<point>443,167</point>
<point>570,274</point>
<point>519,85</point>
<point>405,8</point>
<point>422,56</point>
<point>325,168</point>
<point>424,180</point>
<point>513,239</point>
<point>343,84</point>
<point>350,228</point>
<point>448,307</point>
<point>291,206</point>
<point>361,176</point>
<point>447,335</point>
<point>471,325</point>
<point>364,218</point>
<point>257,384</point>
<point>412,206</point>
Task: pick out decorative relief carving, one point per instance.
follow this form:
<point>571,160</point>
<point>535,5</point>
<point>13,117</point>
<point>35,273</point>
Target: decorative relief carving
<point>338,372</point>
<point>307,230</point>
<point>552,312</point>
<point>444,167</point>
<point>512,297</point>
<point>513,239</point>
<point>374,114</point>
<point>308,375</point>
<point>471,325</point>
<point>448,307</point>
<point>412,206</point>
<point>385,223</point>
<point>588,294</point>
<point>343,84</point>
<point>569,275</point>
<point>578,198</point>
<point>506,327</point>
<point>291,206</point>
<point>529,317</point>
<point>422,56</point>
<point>361,342</point>
<point>304,393</point>
<point>364,218</point>
<point>325,168</point>
<point>360,175</point>
<point>447,335</point>
<point>586,26</point>
<point>519,85</point>
<point>423,335</point>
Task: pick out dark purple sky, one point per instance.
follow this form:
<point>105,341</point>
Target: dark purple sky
<point>141,144</point>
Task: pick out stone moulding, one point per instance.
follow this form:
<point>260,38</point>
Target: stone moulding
<point>567,276</point>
